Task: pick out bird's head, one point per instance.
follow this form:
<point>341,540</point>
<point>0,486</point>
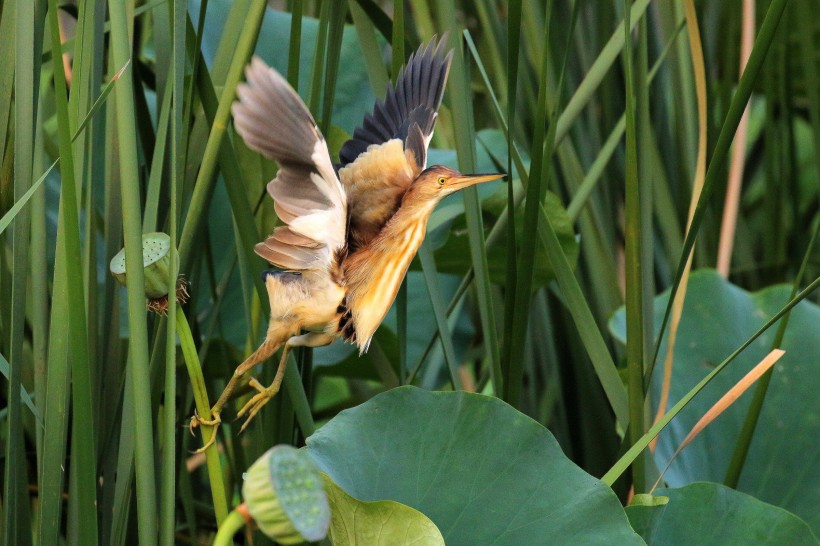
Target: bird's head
<point>438,181</point>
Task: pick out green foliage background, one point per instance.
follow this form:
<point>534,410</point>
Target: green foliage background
<point>515,293</point>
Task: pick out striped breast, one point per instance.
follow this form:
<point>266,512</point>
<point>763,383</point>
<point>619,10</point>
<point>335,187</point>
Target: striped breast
<point>373,276</point>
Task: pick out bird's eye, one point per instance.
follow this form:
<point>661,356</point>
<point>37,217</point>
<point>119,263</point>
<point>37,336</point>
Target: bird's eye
<point>441,180</point>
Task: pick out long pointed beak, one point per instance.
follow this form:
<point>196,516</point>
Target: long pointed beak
<point>471,179</point>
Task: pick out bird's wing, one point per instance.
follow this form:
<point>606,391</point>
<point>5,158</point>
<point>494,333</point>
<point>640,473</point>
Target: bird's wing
<point>308,197</point>
<point>390,148</point>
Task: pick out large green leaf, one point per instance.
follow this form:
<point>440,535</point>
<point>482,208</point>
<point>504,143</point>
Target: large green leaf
<point>711,514</point>
<point>480,470</point>
<point>783,457</point>
<point>377,523</point>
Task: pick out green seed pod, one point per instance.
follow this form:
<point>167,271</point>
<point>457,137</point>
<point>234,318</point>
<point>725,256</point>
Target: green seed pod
<point>156,259</point>
<point>284,494</point>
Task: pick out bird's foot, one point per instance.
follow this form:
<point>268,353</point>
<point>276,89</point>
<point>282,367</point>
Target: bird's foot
<point>197,421</point>
<point>260,399</point>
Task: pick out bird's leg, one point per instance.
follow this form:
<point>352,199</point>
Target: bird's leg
<point>310,339</point>
<point>273,340</point>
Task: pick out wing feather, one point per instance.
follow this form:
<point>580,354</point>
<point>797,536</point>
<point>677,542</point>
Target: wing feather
<point>282,255</point>
<point>415,98</point>
<point>390,148</point>
<point>308,197</point>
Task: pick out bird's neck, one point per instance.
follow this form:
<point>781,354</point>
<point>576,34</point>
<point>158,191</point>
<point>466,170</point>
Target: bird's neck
<point>405,231</point>
<point>414,210</point>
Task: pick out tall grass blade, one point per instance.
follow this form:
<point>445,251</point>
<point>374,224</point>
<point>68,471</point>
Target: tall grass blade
<point>513,40</point>
<point>581,314</point>
<point>808,63</point>
<point>598,71</point>
<point>132,228</point>
<point>83,468</point>
<point>25,397</point>
<point>20,204</point>
<point>370,49</point>
<point>203,408</point>
<point>460,102</point>
<point>750,423</point>
<point>153,194</point>
<point>428,266</point>
<point>738,160</point>
<point>513,377</point>
<point>175,96</point>
<point>397,40</point>
<point>540,170</point>
<point>504,219</point>
<point>295,42</point>
<point>11,214</point>
<point>39,296</point>
<point>8,21</point>
<point>68,343</point>
<point>383,23</point>
<point>634,217</point>
<point>725,401</point>
<point>54,413</point>
<point>124,467</point>
<point>727,131</point>
<point>317,76</point>
<point>699,71</point>
<point>16,521</point>
<point>338,12</point>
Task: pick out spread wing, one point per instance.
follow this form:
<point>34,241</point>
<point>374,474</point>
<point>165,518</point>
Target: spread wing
<point>308,198</point>
<point>390,148</point>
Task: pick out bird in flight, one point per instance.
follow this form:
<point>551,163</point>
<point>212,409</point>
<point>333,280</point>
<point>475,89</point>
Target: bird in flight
<point>350,230</point>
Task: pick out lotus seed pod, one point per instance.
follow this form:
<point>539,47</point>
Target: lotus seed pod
<point>285,496</point>
<point>156,259</point>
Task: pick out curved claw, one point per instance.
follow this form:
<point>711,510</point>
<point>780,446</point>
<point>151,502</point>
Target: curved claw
<point>256,403</point>
<point>193,422</point>
<point>197,421</point>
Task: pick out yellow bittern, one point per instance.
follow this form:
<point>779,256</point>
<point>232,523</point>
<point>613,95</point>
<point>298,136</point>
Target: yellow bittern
<point>350,231</point>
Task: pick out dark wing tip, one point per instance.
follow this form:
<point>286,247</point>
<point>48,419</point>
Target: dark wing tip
<point>416,143</point>
<point>414,99</point>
